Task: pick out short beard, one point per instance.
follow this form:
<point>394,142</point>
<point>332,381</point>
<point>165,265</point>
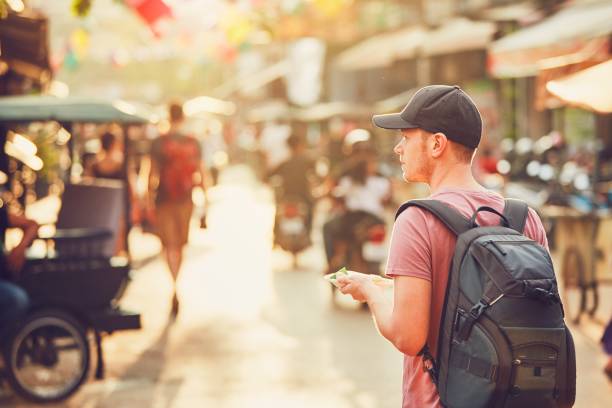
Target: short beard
<point>424,166</point>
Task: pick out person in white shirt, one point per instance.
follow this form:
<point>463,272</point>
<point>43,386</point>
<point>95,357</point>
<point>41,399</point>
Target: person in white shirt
<point>365,193</point>
<point>273,144</point>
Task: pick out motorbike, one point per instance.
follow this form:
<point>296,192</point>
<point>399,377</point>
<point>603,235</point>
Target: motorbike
<point>292,231</point>
<point>366,250</point>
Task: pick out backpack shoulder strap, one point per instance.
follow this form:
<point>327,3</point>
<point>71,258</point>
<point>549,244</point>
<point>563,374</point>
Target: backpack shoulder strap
<point>452,218</point>
<point>516,211</point>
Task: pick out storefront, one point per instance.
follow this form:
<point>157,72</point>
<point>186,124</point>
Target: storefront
<point>573,39</point>
<point>24,53</point>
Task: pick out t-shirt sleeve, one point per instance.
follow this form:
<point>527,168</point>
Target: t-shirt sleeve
<point>535,230</point>
<point>410,247</point>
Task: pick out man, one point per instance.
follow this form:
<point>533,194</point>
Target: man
<point>13,300</point>
<point>297,174</point>
<point>359,156</point>
<point>440,129</point>
<point>273,144</point>
<point>176,168</point>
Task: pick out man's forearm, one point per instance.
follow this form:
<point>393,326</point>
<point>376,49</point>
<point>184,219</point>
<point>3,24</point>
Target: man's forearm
<point>29,234</point>
<point>381,306</point>
<point>395,316</point>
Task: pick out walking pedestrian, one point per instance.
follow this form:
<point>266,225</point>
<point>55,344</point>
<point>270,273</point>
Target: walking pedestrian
<point>440,129</point>
<point>176,168</point>
<point>297,175</point>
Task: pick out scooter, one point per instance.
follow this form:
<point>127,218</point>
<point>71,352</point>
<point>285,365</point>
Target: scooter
<point>366,251</point>
<point>292,232</point>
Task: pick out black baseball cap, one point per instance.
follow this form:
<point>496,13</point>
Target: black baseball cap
<point>438,108</point>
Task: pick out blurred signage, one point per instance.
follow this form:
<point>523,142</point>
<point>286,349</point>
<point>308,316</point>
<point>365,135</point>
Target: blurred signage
<point>248,65</point>
<point>306,57</point>
<point>24,45</point>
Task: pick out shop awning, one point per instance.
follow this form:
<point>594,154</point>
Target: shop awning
<point>269,110</point>
<point>70,109</point>
<point>203,105</point>
<point>458,35</point>
<point>327,110</point>
<point>395,102</point>
<point>381,50</point>
<point>578,32</point>
<point>510,12</point>
<point>252,82</point>
<point>590,89</point>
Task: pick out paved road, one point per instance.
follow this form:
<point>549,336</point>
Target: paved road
<point>252,332</point>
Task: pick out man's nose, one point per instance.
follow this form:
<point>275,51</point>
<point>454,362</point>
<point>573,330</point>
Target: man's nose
<point>397,148</point>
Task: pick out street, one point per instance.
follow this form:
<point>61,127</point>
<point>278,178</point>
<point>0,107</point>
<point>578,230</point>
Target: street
<point>252,332</point>
<point>274,118</point>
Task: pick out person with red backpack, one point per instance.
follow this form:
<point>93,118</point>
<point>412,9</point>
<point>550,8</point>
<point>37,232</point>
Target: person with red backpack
<point>475,309</point>
<point>176,168</point>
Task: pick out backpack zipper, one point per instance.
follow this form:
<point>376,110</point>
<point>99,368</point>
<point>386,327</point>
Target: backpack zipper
<point>496,246</point>
<point>533,362</point>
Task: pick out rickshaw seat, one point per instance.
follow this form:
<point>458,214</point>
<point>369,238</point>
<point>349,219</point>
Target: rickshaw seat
<point>79,269</point>
<point>93,205</point>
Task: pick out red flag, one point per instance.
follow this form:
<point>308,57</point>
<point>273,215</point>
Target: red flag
<point>151,11</point>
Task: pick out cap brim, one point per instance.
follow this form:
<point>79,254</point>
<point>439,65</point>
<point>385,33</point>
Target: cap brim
<point>392,121</point>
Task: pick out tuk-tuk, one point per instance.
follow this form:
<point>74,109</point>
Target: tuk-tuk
<point>75,286</point>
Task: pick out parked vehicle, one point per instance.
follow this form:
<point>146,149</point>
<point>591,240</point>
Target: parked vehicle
<point>75,286</point>
<point>73,292</point>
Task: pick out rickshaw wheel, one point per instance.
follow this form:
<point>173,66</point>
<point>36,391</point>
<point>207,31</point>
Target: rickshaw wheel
<point>48,358</point>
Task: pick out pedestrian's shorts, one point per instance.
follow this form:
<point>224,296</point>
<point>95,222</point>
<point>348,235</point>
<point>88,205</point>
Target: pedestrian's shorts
<point>172,222</point>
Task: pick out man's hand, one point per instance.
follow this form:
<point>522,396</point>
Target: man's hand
<point>16,258</point>
<point>359,285</point>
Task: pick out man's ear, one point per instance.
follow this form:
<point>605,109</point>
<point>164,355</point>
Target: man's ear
<point>439,144</point>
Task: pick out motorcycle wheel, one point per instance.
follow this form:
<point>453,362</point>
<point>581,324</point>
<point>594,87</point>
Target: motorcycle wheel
<point>48,357</point>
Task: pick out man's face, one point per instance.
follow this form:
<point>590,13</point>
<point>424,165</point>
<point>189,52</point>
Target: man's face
<point>413,155</point>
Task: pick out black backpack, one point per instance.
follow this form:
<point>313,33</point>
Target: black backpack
<point>502,340</point>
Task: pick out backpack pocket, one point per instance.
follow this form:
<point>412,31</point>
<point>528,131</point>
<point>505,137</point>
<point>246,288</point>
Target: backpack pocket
<point>536,354</point>
<point>472,369</point>
<point>523,259</point>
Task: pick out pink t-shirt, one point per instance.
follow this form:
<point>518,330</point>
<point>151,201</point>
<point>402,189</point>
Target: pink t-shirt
<point>423,247</point>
